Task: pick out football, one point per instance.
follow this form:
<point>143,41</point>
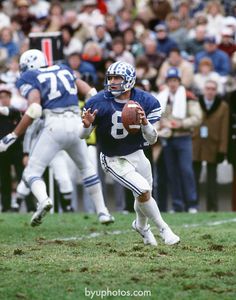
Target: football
<point>130,117</point>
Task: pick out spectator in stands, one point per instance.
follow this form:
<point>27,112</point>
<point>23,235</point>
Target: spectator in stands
<point>210,140</point>
<point>18,35</point>
<point>9,117</point>
<point>24,17</point>
<point>90,15</point>
<point>206,72</point>
<point>83,67</point>
<point>175,60</point>
<point>132,44</point>
<point>81,32</point>
<point>195,44</point>
<point>227,43</point>
<point>113,6</point>
<point>111,25</point>
<point>215,17</point>
<point>195,7</point>
<point>124,20</point>
<point>70,43</point>
<point>12,73</point>
<point>103,38</point>
<point>220,59</point>
<point>39,8</point>
<point>56,9</point>
<point>4,18</point>
<point>120,53</point>
<point>230,22</point>
<point>42,23</point>
<point>145,71</point>
<point>232,141</point>
<point>183,12</point>
<point>141,30</point>
<point>177,32</point>
<point>200,18</point>
<point>155,12</point>
<point>7,42</point>
<point>181,113</point>
<point>55,17</point>
<point>92,53</point>
<point>164,43</point>
<point>155,59</point>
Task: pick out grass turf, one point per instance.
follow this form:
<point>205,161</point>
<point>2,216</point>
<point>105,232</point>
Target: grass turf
<point>72,256</point>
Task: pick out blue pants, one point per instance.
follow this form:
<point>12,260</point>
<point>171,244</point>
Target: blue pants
<point>178,160</point>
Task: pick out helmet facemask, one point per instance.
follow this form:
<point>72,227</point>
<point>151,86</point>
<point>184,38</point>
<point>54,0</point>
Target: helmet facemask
<point>115,88</point>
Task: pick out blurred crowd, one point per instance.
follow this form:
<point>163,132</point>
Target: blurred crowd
<point>195,37</point>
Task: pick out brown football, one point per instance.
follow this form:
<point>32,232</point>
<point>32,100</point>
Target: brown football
<point>130,117</point>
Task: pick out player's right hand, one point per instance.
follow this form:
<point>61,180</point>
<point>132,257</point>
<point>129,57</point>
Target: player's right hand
<point>88,117</point>
<point>7,141</point>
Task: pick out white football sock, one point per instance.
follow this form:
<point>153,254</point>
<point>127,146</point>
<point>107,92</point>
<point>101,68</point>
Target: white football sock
<point>39,190</point>
<point>151,210</point>
<point>141,219</point>
<point>95,192</point>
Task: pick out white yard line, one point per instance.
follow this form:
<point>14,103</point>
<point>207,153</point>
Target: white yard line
<point>118,232</point>
<point>93,235</point>
<point>215,223</point>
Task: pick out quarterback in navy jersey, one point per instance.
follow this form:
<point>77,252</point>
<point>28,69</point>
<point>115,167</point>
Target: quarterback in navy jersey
<point>112,136</point>
<point>122,153</point>
<point>51,92</point>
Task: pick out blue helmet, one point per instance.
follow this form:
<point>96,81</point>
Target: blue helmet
<point>173,72</point>
<point>124,70</point>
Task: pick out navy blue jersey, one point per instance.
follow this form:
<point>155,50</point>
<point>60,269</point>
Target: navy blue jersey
<point>55,83</point>
<point>113,138</point>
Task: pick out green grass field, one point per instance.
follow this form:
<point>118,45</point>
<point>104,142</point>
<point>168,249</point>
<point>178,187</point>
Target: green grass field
<point>72,256</point>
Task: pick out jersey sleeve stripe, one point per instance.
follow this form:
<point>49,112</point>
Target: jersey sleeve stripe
<point>154,115</point>
<point>89,181</point>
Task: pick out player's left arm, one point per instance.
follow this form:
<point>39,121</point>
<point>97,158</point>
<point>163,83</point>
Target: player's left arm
<point>148,129</point>
<point>33,111</point>
<point>85,89</point>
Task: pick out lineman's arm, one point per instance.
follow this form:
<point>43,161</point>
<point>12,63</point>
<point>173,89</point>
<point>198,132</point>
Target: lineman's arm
<point>33,111</point>
<point>85,89</point>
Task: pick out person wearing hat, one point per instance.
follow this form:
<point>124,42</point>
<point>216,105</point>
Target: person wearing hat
<point>180,114</point>
<point>227,43</point>
<point>220,59</point>
<point>24,17</point>
<point>176,60</point>
<point>164,42</point>
<point>9,117</point>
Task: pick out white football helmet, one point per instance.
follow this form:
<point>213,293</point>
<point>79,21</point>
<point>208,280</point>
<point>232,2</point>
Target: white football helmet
<point>32,59</point>
<point>124,70</point>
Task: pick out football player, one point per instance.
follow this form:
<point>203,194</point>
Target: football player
<point>52,94</point>
<point>57,164</point>
<point>122,153</point>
